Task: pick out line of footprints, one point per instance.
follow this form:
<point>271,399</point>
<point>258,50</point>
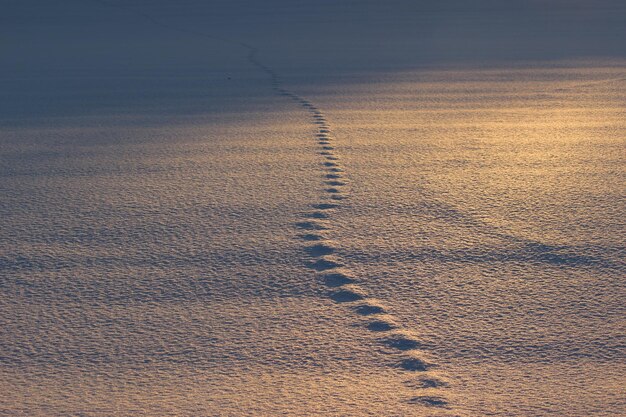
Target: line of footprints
<point>343,287</point>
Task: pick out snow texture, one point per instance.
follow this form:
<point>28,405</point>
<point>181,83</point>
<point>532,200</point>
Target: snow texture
<point>237,208</point>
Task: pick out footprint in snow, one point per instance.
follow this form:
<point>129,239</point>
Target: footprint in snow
<point>324,264</point>
<point>430,401</point>
<point>320,249</point>
<point>337,279</point>
<point>309,237</point>
<point>369,309</point>
<point>424,383</point>
<point>380,326</point>
<point>401,342</point>
<point>311,226</point>
<point>346,296</point>
<point>414,365</point>
<point>325,206</point>
<point>317,215</point>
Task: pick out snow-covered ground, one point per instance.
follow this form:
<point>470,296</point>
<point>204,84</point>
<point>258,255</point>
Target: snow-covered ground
<point>239,208</point>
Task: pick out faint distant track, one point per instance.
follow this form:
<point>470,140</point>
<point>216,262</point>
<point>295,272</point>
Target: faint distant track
<point>583,85</point>
<point>316,227</point>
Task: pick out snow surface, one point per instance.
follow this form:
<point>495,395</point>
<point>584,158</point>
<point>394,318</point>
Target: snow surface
<point>296,208</point>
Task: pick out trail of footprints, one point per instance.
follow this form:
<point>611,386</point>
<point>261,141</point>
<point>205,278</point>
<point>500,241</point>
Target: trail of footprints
<point>402,346</point>
<point>343,286</point>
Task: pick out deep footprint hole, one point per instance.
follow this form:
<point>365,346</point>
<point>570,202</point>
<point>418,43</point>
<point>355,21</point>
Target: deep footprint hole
<point>311,237</point>
<point>368,310</point>
<point>324,265</point>
<point>345,296</point>
<point>325,206</point>
<point>429,401</point>
<point>401,343</point>
<point>428,383</point>
<point>380,326</point>
<point>319,250</point>
<point>317,215</point>
<point>310,226</point>
<point>337,280</point>
<point>414,364</point>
